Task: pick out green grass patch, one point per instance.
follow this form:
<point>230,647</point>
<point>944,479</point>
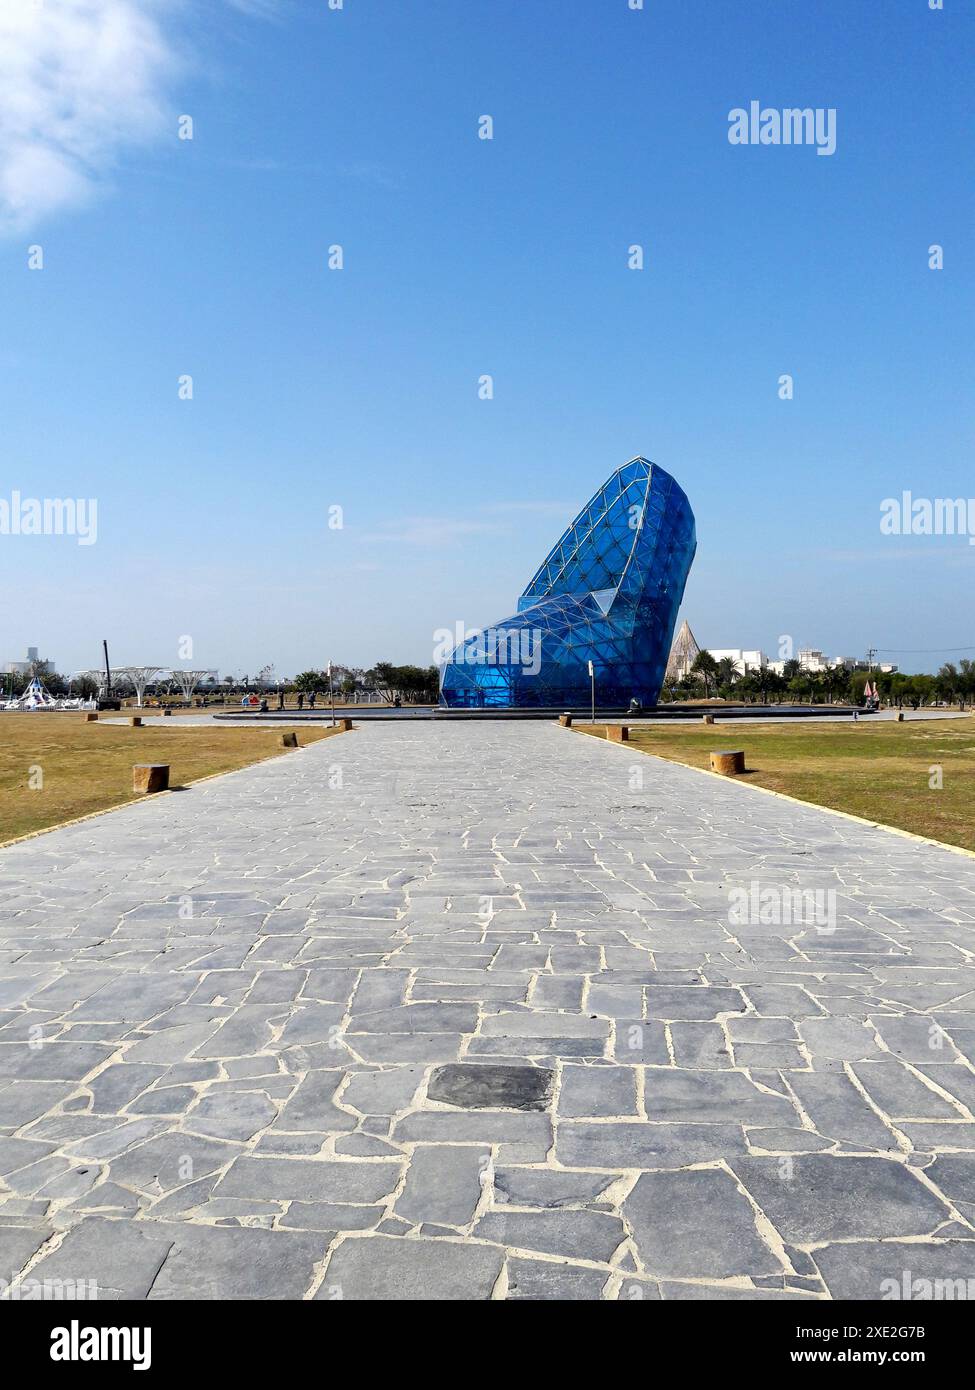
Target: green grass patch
<point>881,771</point>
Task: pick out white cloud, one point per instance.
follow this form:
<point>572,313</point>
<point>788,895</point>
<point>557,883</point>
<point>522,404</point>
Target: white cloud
<point>80,81</point>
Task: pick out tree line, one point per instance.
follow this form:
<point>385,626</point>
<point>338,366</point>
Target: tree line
<point>385,680</point>
<point>415,684</point>
<point>953,684</point>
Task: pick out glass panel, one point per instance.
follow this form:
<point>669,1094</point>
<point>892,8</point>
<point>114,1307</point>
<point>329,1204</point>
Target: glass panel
<point>633,543</point>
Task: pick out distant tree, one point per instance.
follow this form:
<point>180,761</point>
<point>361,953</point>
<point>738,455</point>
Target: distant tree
<point>774,683</point>
<point>746,687</point>
<point>382,679</point>
<point>946,683</point>
<point>966,680</point>
<point>84,685</point>
<point>409,683</point>
<point>416,683</point>
<point>835,681</point>
<point>857,684</point>
<point>891,686</point>
<point>919,690</point>
<point>308,681</point>
<point>687,687</point>
<point>706,667</point>
<point>797,687</point>
<point>728,672</point>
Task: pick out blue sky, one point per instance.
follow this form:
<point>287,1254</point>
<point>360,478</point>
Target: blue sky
<point>357,388</point>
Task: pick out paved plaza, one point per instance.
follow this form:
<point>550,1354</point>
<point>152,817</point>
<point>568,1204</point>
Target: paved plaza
<point>485,1011</point>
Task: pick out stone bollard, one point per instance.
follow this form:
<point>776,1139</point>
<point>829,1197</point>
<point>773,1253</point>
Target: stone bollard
<point>565,720</point>
<point>90,717</point>
<point>708,718</point>
<point>617,733</point>
<point>289,740</point>
<point>136,721</point>
<point>150,777</point>
<point>728,763</point>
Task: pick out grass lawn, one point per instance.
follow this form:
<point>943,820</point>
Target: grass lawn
<point>88,767</point>
<point>878,771</point>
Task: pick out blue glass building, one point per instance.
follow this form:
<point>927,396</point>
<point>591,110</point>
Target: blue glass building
<point>608,592</point>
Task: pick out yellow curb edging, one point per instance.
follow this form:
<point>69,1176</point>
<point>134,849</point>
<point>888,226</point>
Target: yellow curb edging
<point>796,801</point>
<point>136,800</point>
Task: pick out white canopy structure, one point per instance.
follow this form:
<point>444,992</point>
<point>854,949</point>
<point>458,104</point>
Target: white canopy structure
<point>187,680</point>
<point>139,677</point>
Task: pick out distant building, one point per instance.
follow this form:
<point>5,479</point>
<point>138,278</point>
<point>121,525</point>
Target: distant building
<point>812,659</point>
<point>27,668</point>
<point>685,651</point>
<point>745,660</point>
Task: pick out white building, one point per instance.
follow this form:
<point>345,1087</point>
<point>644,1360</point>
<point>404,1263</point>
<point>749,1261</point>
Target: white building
<point>744,659</point>
<point>24,668</point>
<point>809,658</point>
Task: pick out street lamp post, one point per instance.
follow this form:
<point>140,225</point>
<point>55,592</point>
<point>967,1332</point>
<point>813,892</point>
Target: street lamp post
<point>331,693</point>
<point>592,681</point>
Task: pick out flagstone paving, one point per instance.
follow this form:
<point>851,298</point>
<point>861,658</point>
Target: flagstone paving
<point>470,1012</point>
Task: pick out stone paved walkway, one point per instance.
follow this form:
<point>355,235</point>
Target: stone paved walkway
<point>459,1012</point>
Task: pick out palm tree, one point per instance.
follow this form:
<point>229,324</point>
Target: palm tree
<point>834,680</point>
<point>728,672</point>
<point>706,667</point>
<point>966,680</point>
